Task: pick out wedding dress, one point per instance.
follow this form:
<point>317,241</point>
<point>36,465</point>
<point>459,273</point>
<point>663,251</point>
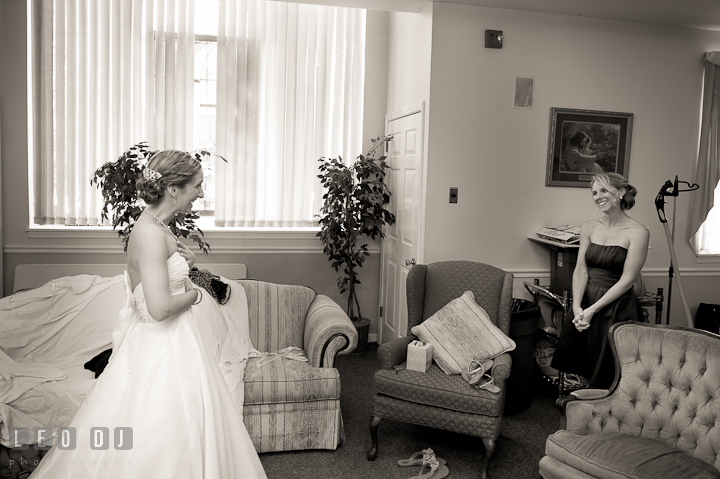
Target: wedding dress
<point>177,386</point>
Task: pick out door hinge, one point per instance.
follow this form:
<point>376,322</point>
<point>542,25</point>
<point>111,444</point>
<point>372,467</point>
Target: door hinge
<point>381,311</point>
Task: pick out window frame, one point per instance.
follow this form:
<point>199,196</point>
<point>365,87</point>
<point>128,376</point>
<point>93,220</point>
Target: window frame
<point>105,240</point>
<point>58,238</point>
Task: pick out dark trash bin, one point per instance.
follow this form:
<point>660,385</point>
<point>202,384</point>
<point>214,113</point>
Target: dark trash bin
<point>525,322</point>
<point>707,317</point>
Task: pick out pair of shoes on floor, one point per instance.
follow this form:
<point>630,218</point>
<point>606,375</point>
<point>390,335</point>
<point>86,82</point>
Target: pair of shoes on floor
<point>431,467</point>
<point>476,374</point>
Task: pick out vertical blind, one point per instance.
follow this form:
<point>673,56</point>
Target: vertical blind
<point>290,90</point>
<point>109,74</point>
<point>106,75</point>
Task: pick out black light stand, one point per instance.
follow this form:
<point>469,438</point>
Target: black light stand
<point>671,189</point>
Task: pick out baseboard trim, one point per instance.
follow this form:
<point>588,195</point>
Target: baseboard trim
<point>648,272</point>
<point>219,249</point>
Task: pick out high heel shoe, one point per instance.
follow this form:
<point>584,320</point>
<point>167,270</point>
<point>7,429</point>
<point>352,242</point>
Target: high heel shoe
<point>487,383</point>
<point>419,457</point>
<point>432,469</point>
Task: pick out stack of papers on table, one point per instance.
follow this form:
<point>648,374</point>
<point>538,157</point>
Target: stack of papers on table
<point>564,234</point>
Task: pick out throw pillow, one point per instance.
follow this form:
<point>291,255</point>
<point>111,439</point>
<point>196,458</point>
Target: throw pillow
<point>460,332</point>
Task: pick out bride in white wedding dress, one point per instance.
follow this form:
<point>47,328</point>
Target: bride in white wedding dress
<point>164,385</point>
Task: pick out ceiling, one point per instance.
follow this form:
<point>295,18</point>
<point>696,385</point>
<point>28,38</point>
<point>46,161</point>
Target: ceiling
<point>704,14</point>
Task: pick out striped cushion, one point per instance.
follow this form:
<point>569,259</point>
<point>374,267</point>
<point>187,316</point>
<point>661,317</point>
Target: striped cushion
<point>285,381</point>
<point>460,332</point>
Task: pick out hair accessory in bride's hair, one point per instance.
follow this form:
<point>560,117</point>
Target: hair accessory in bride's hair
<point>151,174</point>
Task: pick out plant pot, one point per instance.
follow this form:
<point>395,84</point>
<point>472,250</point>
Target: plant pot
<point>363,328</point>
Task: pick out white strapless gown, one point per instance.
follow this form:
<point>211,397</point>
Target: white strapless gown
<point>178,385</point>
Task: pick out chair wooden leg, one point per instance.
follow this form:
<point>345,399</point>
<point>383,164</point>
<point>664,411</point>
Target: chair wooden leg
<point>489,449</point>
<point>374,423</point>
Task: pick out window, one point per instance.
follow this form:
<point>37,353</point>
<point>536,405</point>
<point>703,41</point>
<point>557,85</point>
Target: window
<point>270,86</point>
<point>205,114</point>
<point>707,238</point>
<point>705,209</point>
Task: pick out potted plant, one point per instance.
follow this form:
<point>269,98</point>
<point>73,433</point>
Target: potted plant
<point>353,206</point>
<point>116,181</point>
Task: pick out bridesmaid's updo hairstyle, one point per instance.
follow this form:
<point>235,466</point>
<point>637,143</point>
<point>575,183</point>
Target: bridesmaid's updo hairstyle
<point>177,169</point>
<point>614,182</point>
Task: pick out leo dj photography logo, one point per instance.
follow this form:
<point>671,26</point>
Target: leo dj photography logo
<point>42,438</point>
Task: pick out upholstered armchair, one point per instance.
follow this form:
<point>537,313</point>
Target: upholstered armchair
<point>294,405</point>
<point>660,419</point>
<point>433,398</point>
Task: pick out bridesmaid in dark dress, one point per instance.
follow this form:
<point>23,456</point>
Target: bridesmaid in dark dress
<point>612,251</point>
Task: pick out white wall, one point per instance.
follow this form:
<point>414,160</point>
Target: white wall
<point>410,43</point>
<point>497,155</point>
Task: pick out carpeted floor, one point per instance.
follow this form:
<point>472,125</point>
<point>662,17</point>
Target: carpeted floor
<point>519,448</point>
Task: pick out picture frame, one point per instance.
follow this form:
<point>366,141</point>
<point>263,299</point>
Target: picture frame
<point>586,142</point>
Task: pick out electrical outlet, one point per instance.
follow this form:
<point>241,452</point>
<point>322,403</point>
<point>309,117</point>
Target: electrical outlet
<point>493,38</point>
<point>453,195</point>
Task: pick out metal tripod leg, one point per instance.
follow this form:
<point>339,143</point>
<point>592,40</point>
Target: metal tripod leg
<point>567,306</point>
<point>671,246</point>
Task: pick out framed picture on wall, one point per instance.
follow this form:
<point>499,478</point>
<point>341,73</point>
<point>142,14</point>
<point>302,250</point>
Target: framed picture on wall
<point>586,142</point>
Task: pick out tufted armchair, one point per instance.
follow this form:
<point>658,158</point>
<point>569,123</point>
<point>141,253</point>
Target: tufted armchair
<point>660,419</point>
<point>433,398</point>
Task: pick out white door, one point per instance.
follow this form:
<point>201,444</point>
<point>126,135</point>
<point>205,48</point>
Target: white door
<point>400,247</point>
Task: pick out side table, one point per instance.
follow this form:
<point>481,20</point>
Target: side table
<point>562,263</point>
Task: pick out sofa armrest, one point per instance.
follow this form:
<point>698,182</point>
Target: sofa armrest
<point>590,393</point>
<point>394,352</point>
<point>501,367</point>
<point>328,331</point>
<point>584,416</point>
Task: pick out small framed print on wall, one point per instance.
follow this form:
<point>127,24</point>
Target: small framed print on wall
<point>524,93</point>
<point>586,142</point>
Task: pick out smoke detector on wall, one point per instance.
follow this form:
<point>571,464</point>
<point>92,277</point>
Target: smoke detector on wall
<point>493,38</point>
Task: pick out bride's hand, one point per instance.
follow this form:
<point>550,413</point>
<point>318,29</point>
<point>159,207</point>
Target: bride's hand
<point>189,285</point>
<point>186,253</point>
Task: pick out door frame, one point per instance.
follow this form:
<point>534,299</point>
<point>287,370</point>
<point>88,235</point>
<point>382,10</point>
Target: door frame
<point>389,117</point>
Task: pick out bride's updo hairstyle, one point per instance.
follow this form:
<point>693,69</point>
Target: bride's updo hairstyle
<point>177,169</point>
<point>614,182</point>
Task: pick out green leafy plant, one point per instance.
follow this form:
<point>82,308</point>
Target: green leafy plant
<point>116,181</point>
<point>353,206</point>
